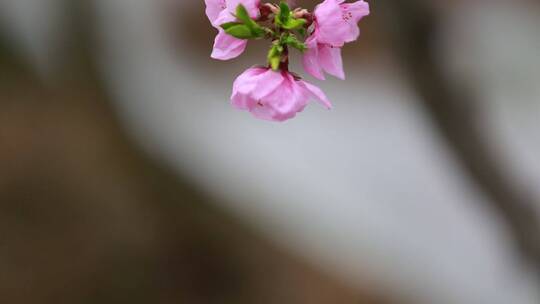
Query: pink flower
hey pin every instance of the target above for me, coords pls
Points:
(336, 23)
(321, 57)
(222, 11)
(274, 95)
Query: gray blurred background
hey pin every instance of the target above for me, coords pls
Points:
(126, 176)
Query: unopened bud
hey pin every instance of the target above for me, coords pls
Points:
(300, 12)
(274, 9)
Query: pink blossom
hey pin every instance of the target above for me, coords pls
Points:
(336, 23)
(274, 95)
(222, 11)
(321, 57)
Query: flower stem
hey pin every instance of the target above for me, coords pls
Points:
(284, 65)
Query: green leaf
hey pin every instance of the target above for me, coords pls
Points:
(293, 24)
(257, 31)
(228, 25)
(242, 14)
(240, 31)
(292, 41)
(286, 20)
(284, 12)
(245, 28)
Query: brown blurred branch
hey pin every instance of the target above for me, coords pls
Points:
(413, 26)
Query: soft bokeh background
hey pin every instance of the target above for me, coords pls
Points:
(126, 177)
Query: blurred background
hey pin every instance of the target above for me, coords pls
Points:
(126, 176)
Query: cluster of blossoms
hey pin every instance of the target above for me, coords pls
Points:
(272, 92)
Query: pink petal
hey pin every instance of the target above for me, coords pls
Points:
(355, 12)
(244, 84)
(223, 17)
(258, 82)
(284, 103)
(252, 6)
(310, 60)
(317, 94)
(267, 82)
(332, 29)
(331, 61)
(241, 101)
(359, 10)
(227, 47)
(213, 9)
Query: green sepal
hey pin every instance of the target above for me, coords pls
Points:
(284, 13)
(286, 20)
(240, 31)
(275, 63)
(274, 56)
(293, 24)
(292, 41)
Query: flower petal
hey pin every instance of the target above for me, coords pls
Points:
(267, 82)
(332, 29)
(331, 61)
(252, 6)
(284, 103)
(244, 83)
(310, 60)
(317, 93)
(213, 9)
(227, 47)
(354, 12)
(358, 9)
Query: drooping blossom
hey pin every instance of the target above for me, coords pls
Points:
(272, 92)
(274, 95)
(322, 57)
(222, 11)
(335, 23)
